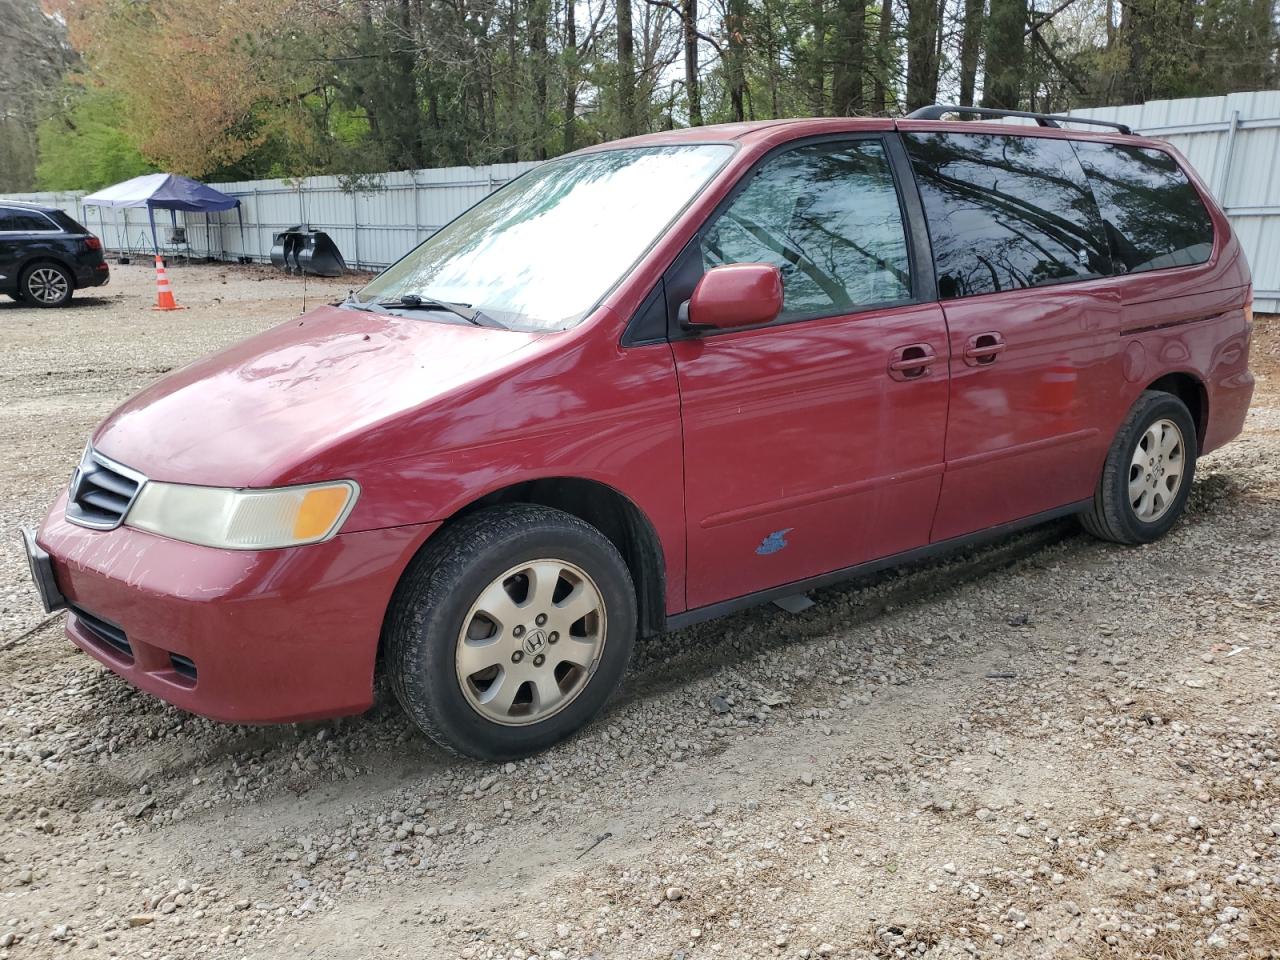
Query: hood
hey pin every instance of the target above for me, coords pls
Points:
(252, 412)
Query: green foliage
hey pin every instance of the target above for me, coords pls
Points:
(83, 146)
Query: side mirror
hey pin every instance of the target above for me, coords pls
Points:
(736, 295)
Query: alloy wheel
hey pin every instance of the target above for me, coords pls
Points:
(47, 285)
(530, 642)
(1156, 470)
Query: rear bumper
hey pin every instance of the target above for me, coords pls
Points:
(246, 637)
(93, 275)
(1228, 406)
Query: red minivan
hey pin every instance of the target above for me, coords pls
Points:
(652, 382)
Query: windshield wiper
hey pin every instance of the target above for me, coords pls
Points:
(413, 301)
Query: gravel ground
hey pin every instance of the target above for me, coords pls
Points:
(1049, 748)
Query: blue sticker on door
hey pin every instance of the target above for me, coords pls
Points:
(773, 542)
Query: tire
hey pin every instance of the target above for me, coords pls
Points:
(1138, 498)
(492, 694)
(47, 284)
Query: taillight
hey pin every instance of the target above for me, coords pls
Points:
(92, 243)
(1248, 310)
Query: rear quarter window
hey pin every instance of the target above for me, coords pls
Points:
(67, 222)
(1153, 216)
(1006, 212)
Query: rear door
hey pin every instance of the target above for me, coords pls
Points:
(1024, 277)
(808, 444)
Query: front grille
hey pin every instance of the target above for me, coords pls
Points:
(106, 633)
(101, 492)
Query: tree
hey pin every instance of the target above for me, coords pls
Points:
(850, 46)
(886, 57)
(82, 148)
(571, 74)
(923, 27)
(265, 88)
(970, 47)
(689, 31)
(1006, 50)
(626, 70)
(735, 28)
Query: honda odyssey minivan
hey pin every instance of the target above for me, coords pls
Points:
(648, 383)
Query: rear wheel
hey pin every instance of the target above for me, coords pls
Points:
(46, 285)
(510, 631)
(1148, 472)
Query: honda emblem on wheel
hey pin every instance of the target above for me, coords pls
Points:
(534, 642)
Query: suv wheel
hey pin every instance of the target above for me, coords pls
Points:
(510, 631)
(1148, 472)
(47, 285)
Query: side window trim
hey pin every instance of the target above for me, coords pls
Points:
(688, 262)
(924, 278)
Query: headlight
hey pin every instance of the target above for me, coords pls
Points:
(243, 519)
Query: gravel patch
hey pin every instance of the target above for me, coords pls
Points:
(1051, 747)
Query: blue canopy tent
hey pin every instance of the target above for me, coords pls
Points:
(166, 191)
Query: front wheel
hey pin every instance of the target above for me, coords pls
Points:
(1147, 476)
(510, 631)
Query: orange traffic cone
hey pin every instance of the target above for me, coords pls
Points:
(164, 293)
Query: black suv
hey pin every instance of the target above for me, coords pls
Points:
(45, 255)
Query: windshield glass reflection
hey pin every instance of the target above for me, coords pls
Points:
(541, 252)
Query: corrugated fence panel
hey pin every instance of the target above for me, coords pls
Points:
(374, 220)
(1233, 142)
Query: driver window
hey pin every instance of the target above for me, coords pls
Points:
(827, 216)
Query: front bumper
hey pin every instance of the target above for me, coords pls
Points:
(266, 636)
(40, 565)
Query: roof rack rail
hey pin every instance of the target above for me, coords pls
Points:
(938, 110)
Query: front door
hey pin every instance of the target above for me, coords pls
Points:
(815, 442)
(1034, 319)
(10, 249)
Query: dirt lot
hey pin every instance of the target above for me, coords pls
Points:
(1050, 748)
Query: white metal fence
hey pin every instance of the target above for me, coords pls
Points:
(1233, 141)
(374, 220)
(1234, 144)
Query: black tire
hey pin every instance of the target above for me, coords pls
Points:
(1112, 515)
(436, 594)
(47, 284)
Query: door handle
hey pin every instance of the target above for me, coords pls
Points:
(912, 361)
(983, 348)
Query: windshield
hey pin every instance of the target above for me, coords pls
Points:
(541, 252)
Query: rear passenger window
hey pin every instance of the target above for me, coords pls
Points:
(1154, 217)
(1006, 212)
(24, 221)
(827, 216)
